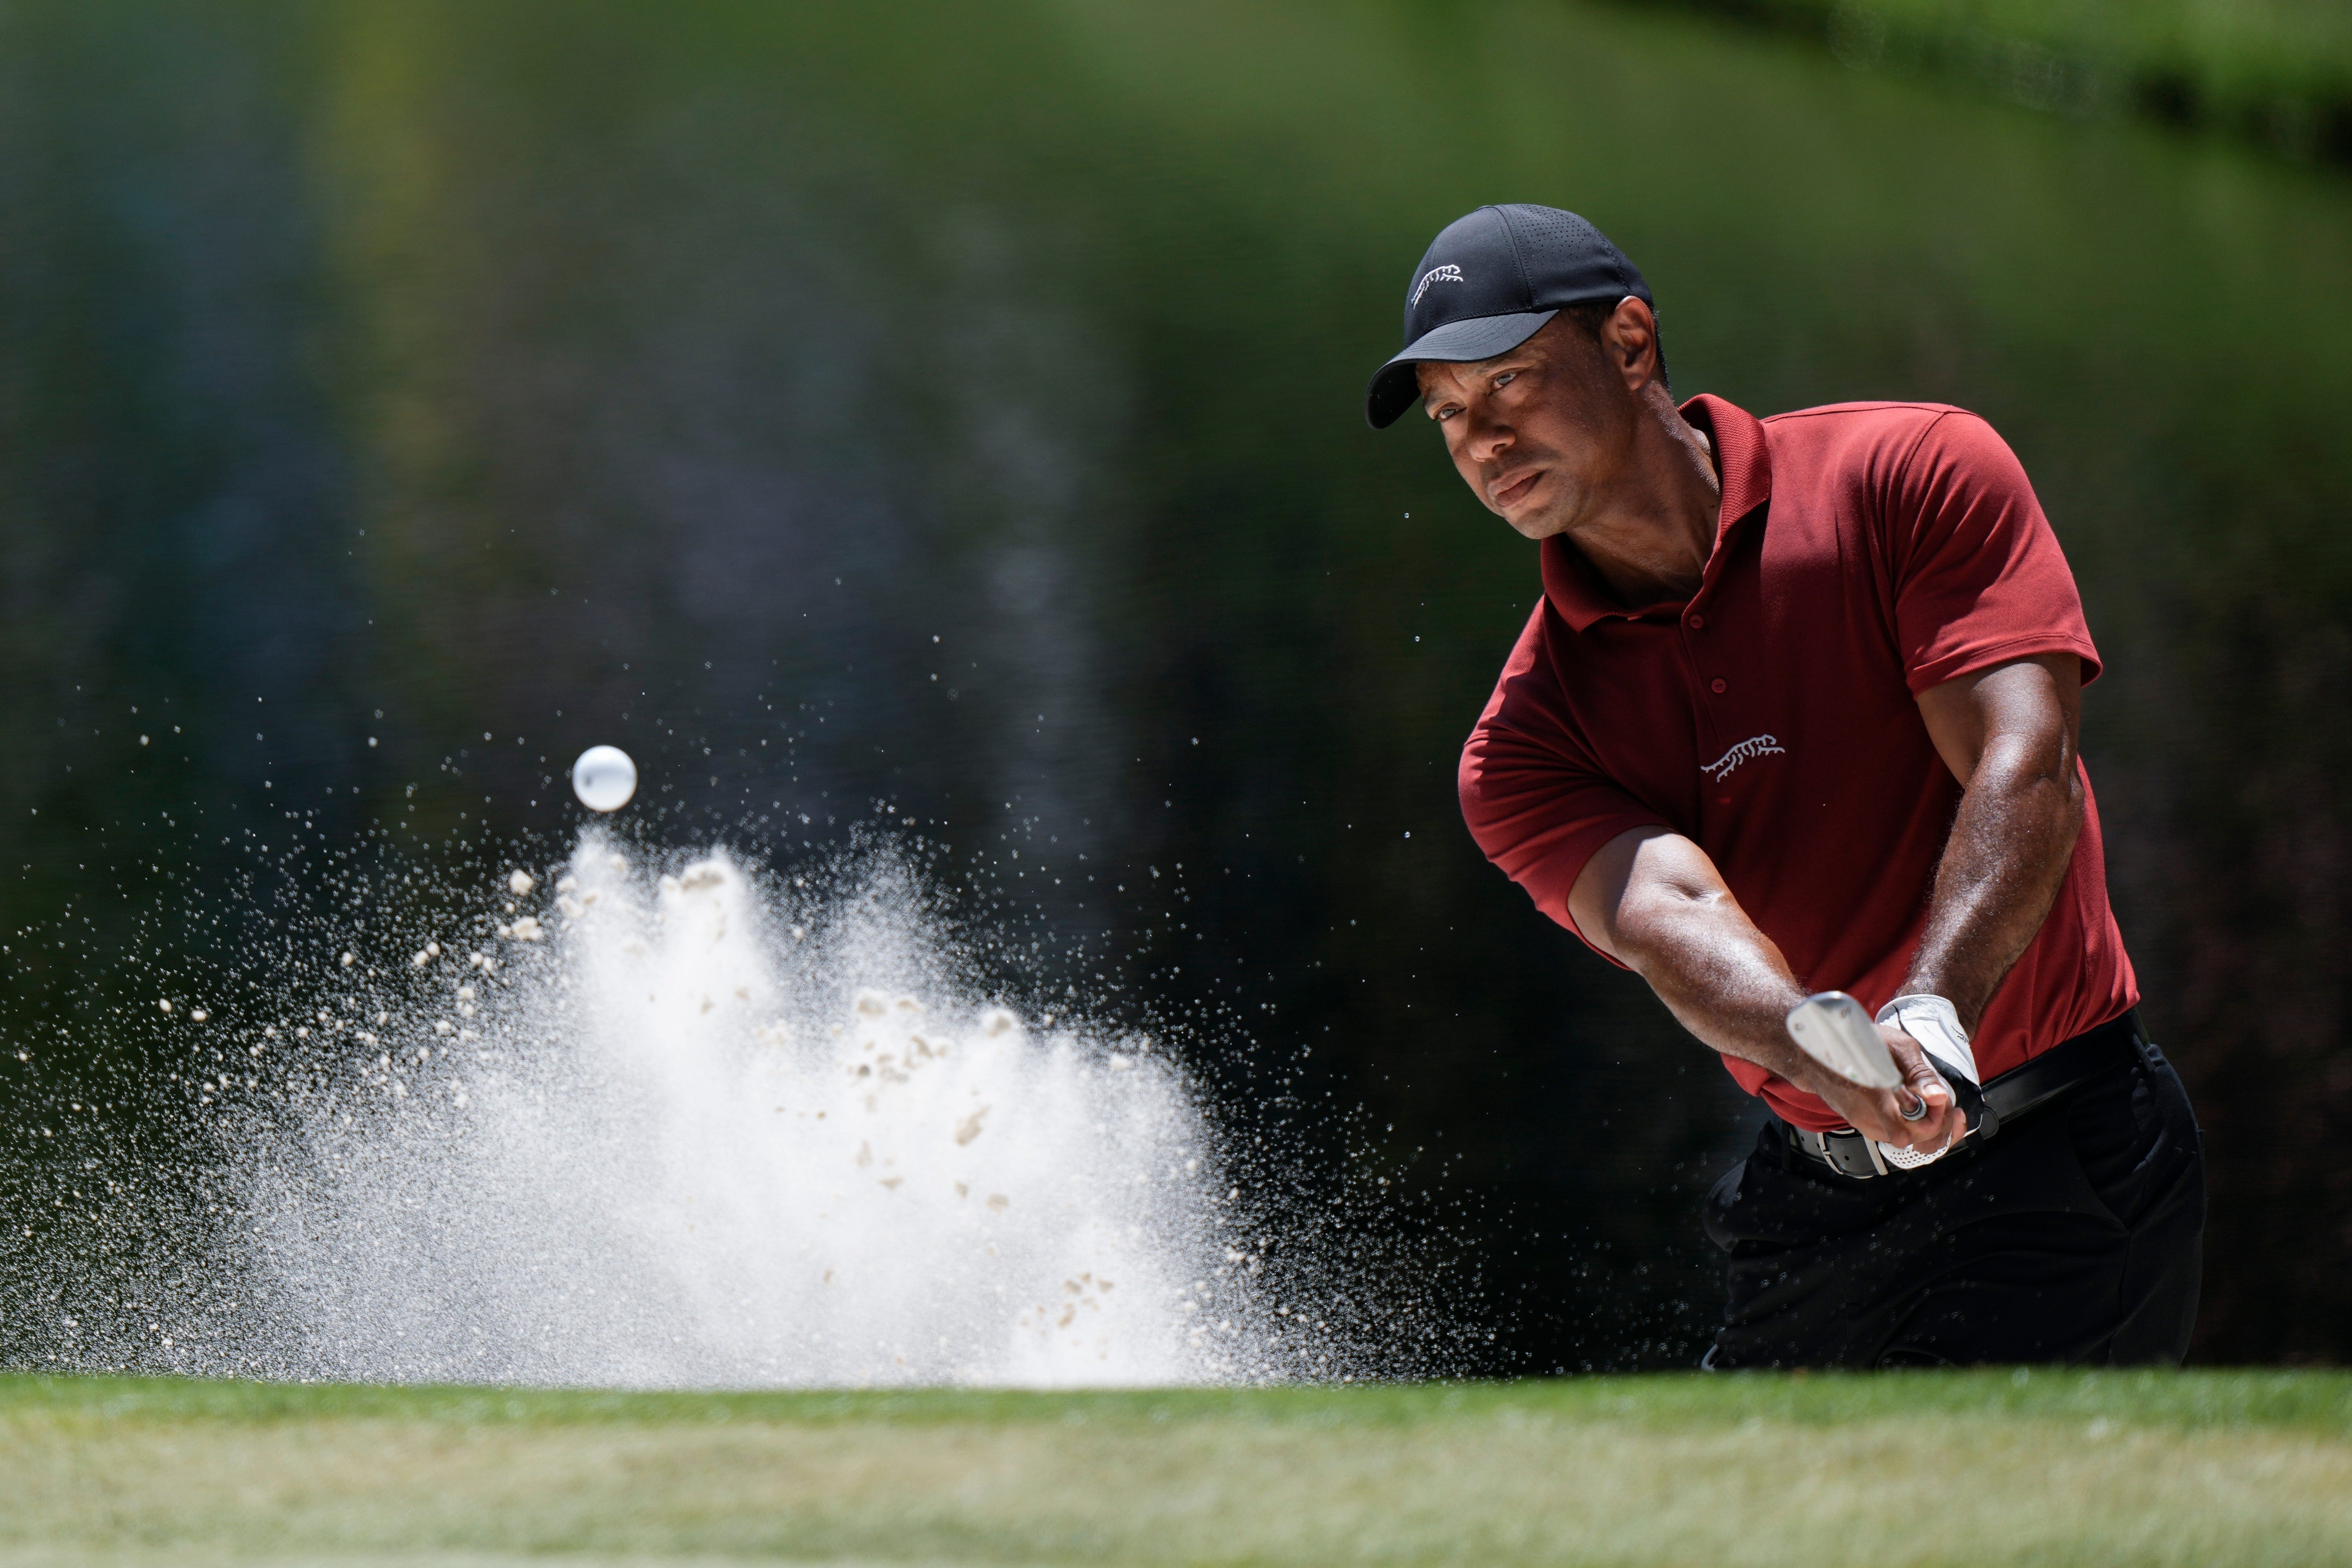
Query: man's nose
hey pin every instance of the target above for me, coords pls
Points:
(1485, 437)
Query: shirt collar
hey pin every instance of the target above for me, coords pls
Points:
(1576, 591)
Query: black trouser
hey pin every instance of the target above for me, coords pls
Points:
(2075, 1235)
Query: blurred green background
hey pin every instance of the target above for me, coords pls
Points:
(2276, 73)
(964, 402)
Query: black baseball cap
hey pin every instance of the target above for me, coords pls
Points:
(1488, 282)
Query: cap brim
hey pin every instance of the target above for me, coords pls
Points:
(1394, 386)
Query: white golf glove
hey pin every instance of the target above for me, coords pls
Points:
(1934, 1023)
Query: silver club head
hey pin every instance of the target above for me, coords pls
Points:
(1835, 1030)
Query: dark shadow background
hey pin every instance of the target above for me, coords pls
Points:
(957, 407)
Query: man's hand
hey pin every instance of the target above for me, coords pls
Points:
(1654, 900)
(1878, 1112)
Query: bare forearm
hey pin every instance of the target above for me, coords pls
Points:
(1723, 979)
(2011, 843)
(1654, 900)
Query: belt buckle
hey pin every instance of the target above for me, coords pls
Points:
(1818, 1145)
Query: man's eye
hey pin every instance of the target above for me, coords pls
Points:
(1505, 379)
(1441, 414)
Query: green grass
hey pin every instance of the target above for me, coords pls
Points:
(2004, 1467)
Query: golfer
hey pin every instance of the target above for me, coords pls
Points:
(1798, 711)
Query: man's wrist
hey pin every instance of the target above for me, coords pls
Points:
(1781, 1055)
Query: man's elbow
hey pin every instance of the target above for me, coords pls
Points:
(2040, 766)
(2037, 788)
(1653, 919)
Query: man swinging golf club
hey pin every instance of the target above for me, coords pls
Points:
(1797, 713)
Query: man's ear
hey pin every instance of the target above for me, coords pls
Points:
(1630, 337)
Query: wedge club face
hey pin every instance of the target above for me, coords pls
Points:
(1836, 1031)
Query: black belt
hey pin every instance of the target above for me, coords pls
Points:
(2062, 1067)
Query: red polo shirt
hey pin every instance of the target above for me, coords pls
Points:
(1865, 552)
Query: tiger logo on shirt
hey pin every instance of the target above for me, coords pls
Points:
(1754, 746)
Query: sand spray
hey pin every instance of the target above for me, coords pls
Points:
(656, 1121)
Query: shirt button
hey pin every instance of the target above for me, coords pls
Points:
(1697, 622)
(1719, 686)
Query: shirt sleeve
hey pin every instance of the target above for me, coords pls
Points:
(1533, 801)
(1978, 577)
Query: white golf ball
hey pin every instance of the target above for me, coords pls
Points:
(603, 778)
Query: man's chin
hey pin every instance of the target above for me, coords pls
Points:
(1537, 523)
